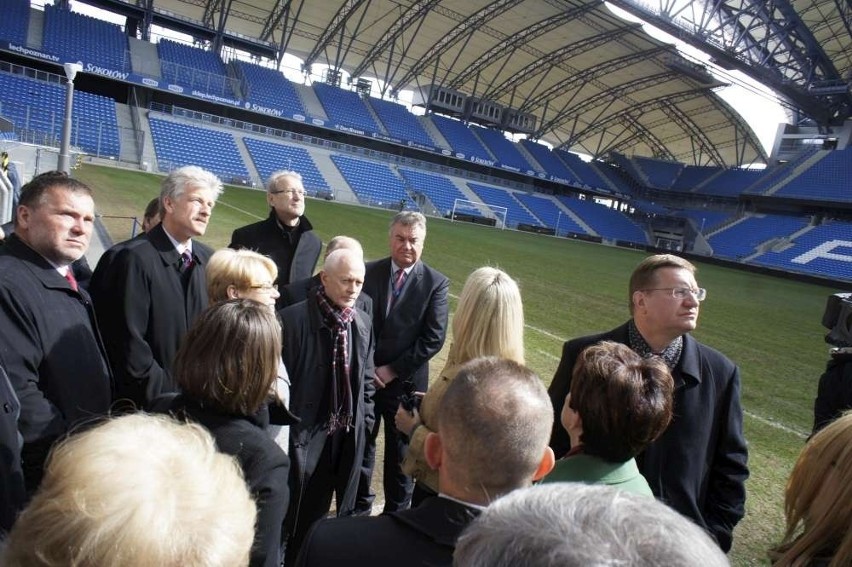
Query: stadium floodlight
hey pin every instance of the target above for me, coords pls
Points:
(71, 70)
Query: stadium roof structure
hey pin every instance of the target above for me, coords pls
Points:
(595, 82)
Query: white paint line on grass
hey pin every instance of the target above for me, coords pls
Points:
(775, 424)
(245, 212)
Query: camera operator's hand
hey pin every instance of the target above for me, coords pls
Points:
(384, 376)
(406, 421)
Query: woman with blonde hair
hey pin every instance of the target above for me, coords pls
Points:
(226, 367)
(489, 321)
(818, 502)
(135, 491)
(245, 274)
(241, 274)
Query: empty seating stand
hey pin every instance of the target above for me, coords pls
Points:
(742, 239)
(550, 214)
(269, 157)
(178, 144)
(345, 108)
(819, 251)
(829, 179)
(705, 221)
(270, 89)
(437, 188)
(551, 164)
(503, 149)
(515, 214)
(607, 222)
(399, 122)
(661, 174)
(730, 183)
(16, 20)
(460, 138)
(374, 183)
(587, 174)
(37, 109)
(194, 67)
(75, 37)
(692, 176)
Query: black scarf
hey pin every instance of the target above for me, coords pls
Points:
(338, 319)
(670, 355)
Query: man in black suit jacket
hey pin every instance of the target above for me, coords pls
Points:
(410, 312)
(698, 466)
(157, 287)
(328, 352)
(50, 342)
(287, 235)
(493, 426)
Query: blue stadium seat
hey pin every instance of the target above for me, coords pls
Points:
(829, 179)
(269, 157)
(550, 214)
(742, 239)
(551, 164)
(607, 222)
(460, 138)
(399, 122)
(834, 235)
(438, 188)
(374, 183)
(37, 109)
(503, 149)
(661, 174)
(270, 88)
(345, 108)
(194, 67)
(75, 37)
(516, 214)
(178, 144)
(16, 20)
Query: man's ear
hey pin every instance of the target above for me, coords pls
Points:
(433, 450)
(638, 299)
(168, 205)
(23, 216)
(548, 461)
(323, 277)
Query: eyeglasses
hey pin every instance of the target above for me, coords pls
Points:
(681, 293)
(291, 192)
(265, 287)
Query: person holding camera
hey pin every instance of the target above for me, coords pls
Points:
(410, 314)
(834, 394)
(489, 321)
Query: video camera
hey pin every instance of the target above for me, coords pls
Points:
(838, 320)
(410, 400)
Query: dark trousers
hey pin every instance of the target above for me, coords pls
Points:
(397, 486)
(326, 481)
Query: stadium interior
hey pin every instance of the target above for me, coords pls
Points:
(671, 163)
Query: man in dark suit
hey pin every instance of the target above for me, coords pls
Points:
(297, 291)
(50, 342)
(698, 466)
(410, 312)
(157, 287)
(328, 352)
(287, 235)
(493, 427)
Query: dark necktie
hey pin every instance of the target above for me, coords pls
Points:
(185, 261)
(72, 281)
(398, 282)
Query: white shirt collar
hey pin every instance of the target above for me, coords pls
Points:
(178, 246)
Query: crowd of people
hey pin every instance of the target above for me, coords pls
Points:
(190, 407)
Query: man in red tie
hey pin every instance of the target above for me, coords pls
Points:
(50, 342)
(410, 313)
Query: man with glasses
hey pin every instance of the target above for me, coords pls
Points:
(287, 235)
(698, 466)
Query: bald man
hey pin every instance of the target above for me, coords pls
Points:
(328, 352)
(297, 291)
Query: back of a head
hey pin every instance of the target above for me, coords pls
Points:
(575, 525)
(138, 490)
(818, 500)
(494, 422)
(624, 400)
(489, 320)
(229, 358)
